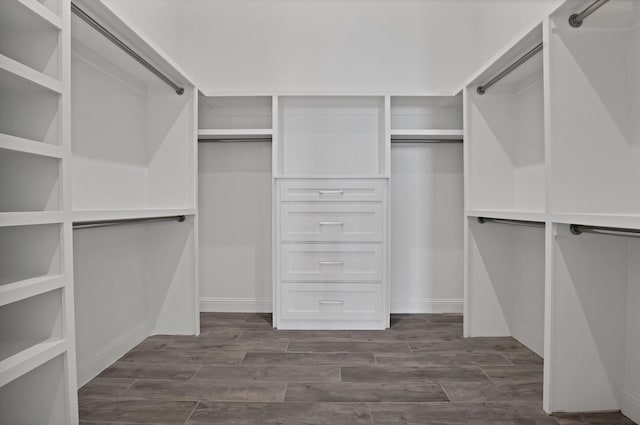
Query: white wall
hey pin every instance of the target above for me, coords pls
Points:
(427, 245)
(235, 226)
(338, 45)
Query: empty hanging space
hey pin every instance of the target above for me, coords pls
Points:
(237, 118)
(37, 397)
(594, 109)
(595, 345)
(415, 118)
(133, 141)
(28, 183)
(506, 280)
(325, 136)
(143, 271)
(505, 131)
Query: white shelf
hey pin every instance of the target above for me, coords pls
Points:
(213, 134)
(30, 74)
(427, 134)
(8, 219)
(626, 221)
(20, 144)
(329, 176)
(509, 215)
(99, 215)
(17, 291)
(26, 360)
(29, 13)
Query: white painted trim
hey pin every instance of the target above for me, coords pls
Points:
(235, 305)
(631, 405)
(103, 358)
(427, 305)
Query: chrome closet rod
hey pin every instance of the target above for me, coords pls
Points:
(531, 53)
(483, 220)
(425, 141)
(107, 223)
(260, 139)
(577, 19)
(578, 229)
(122, 45)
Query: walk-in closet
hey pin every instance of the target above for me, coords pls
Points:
(319, 212)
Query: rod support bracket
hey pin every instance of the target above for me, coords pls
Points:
(481, 220)
(575, 21)
(575, 229)
(481, 90)
(180, 91)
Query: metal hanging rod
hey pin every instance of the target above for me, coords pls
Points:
(115, 40)
(578, 229)
(107, 223)
(425, 141)
(577, 19)
(531, 53)
(260, 139)
(483, 220)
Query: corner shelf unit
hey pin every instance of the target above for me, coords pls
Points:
(555, 142)
(37, 333)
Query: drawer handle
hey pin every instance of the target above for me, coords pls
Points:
(331, 192)
(331, 302)
(331, 263)
(331, 223)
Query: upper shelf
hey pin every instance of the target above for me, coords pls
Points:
(235, 134)
(441, 134)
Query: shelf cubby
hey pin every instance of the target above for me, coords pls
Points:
(595, 132)
(596, 291)
(505, 293)
(133, 143)
(28, 111)
(28, 37)
(38, 397)
(29, 252)
(235, 117)
(331, 136)
(26, 323)
(426, 117)
(28, 183)
(506, 134)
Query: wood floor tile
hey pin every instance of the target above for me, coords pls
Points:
(213, 344)
(413, 374)
(494, 344)
(209, 390)
(612, 418)
(306, 359)
(365, 392)
(105, 387)
(310, 373)
(403, 335)
(184, 357)
(478, 392)
(252, 335)
(421, 359)
(209, 413)
(135, 411)
(524, 357)
(514, 373)
(135, 370)
(347, 347)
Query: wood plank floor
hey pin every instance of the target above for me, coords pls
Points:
(240, 371)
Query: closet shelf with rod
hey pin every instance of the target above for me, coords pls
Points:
(111, 215)
(122, 222)
(483, 220)
(427, 135)
(238, 135)
(578, 229)
(482, 89)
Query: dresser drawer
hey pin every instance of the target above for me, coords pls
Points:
(331, 190)
(331, 302)
(331, 222)
(331, 263)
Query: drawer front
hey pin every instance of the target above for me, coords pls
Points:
(331, 302)
(331, 190)
(331, 222)
(331, 263)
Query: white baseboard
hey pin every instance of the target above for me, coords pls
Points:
(631, 405)
(235, 305)
(529, 339)
(99, 361)
(427, 305)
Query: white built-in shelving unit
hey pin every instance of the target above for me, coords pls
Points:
(134, 164)
(37, 336)
(556, 143)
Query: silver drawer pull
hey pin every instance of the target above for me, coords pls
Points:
(331, 302)
(331, 192)
(331, 223)
(331, 263)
